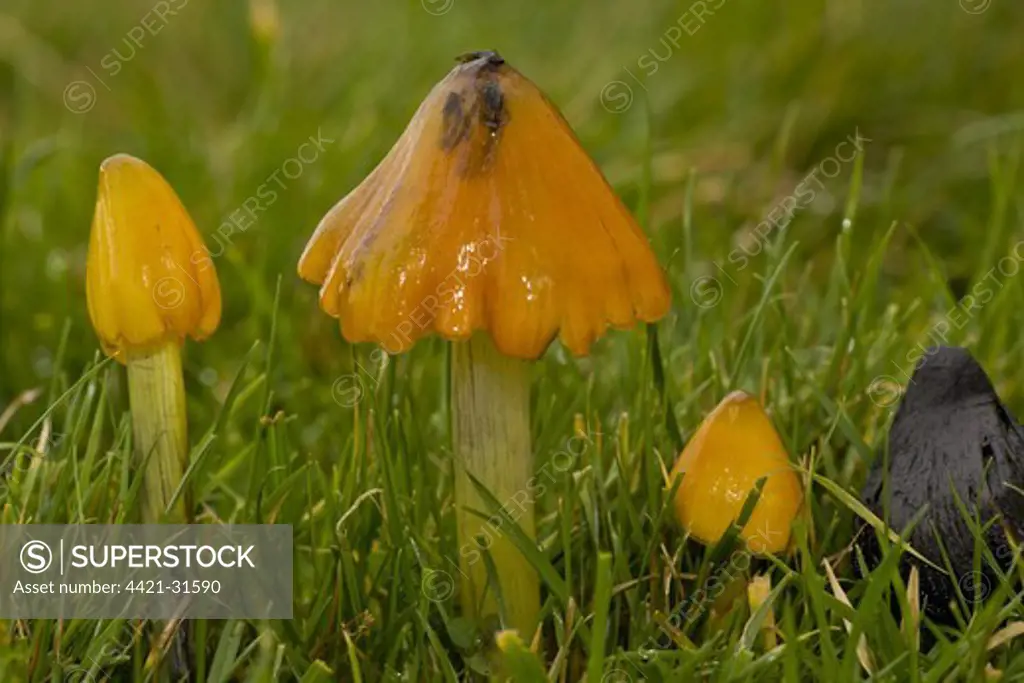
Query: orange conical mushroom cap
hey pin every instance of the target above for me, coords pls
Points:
(486, 215)
(149, 277)
(735, 446)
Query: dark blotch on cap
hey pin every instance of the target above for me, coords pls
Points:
(456, 123)
(479, 102)
(492, 113)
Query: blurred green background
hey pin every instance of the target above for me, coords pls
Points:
(217, 96)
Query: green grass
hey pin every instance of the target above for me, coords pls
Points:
(823, 321)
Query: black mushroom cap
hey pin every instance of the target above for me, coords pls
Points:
(951, 438)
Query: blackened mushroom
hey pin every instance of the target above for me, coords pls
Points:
(954, 448)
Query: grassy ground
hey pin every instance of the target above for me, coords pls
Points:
(707, 132)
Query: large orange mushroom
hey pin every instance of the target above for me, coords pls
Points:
(488, 224)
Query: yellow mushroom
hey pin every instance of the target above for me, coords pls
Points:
(149, 284)
(734, 447)
(486, 218)
(149, 279)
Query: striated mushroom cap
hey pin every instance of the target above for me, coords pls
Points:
(486, 215)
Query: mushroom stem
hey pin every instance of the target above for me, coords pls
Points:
(156, 391)
(490, 395)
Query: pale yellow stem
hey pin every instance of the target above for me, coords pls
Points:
(156, 390)
(491, 440)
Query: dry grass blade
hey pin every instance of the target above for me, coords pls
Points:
(22, 399)
(863, 653)
(911, 623)
(1005, 635)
